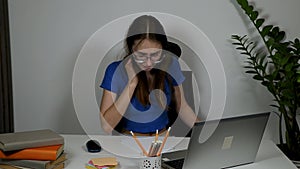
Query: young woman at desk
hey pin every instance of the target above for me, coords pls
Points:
(130, 99)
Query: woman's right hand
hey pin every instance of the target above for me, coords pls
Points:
(131, 73)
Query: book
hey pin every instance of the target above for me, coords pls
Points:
(6, 166)
(59, 166)
(37, 153)
(28, 139)
(36, 164)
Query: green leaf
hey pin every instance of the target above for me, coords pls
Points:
(249, 62)
(245, 53)
(280, 36)
(262, 59)
(273, 105)
(269, 77)
(241, 48)
(251, 72)
(260, 67)
(274, 32)
(270, 42)
(283, 59)
(266, 29)
(258, 77)
(237, 44)
(259, 22)
(265, 65)
(253, 47)
(243, 3)
(288, 67)
(248, 9)
(242, 37)
(254, 15)
(248, 45)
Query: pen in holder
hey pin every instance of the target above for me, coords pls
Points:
(152, 158)
(154, 148)
(150, 162)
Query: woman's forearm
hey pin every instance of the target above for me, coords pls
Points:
(112, 115)
(188, 116)
(186, 113)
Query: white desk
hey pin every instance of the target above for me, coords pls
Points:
(269, 156)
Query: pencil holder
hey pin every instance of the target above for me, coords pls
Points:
(150, 162)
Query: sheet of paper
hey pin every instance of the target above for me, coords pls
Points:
(146, 142)
(126, 146)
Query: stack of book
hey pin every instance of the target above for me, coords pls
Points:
(39, 149)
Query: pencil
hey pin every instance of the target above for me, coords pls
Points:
(164, 142)
(156, 135)
(151, 153)
(151, 147)
(155, 151)
(139, 144)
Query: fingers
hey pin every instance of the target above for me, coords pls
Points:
(129, 62)
(130, 70)
(129, 66)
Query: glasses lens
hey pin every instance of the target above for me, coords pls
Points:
(155, 57)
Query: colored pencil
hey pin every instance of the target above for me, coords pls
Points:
(164, 142)
(139, 144)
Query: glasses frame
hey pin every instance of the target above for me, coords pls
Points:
(163, 55)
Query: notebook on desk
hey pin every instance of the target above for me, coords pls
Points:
(234, 142)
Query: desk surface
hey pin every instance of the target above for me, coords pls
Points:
(269, 156)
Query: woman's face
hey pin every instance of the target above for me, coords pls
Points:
(147, 53)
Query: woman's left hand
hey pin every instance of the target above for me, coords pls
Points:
(131, 73)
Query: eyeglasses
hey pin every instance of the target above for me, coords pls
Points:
(155, 57)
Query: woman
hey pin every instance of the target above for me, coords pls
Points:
(139, 89)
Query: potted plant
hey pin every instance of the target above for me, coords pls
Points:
(275, 63)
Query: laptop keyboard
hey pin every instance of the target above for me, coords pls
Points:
(176, 164)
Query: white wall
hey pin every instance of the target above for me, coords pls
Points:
(47, 36)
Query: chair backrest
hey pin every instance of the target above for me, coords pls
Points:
(174, 48)
(179, 128)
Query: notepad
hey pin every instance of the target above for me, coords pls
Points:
(104, 161)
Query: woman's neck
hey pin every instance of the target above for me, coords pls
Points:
(149, 79)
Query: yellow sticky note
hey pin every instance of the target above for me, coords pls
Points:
(105, 161)
(90, 167)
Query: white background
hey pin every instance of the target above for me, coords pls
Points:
(47, 36)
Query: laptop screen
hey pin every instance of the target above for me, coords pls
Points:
(235, 141)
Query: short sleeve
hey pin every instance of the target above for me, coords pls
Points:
(176, 73)
(110, 73)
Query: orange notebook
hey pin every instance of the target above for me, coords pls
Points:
(37, 153)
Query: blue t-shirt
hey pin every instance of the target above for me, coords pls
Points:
(140, 118)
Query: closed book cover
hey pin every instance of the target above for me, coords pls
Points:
(38, 153)
(59, 166)
(7, 166)
(28, 139)
(36, 164)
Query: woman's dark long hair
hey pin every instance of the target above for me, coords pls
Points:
(148, 27)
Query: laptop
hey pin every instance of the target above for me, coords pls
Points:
(234, 142)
